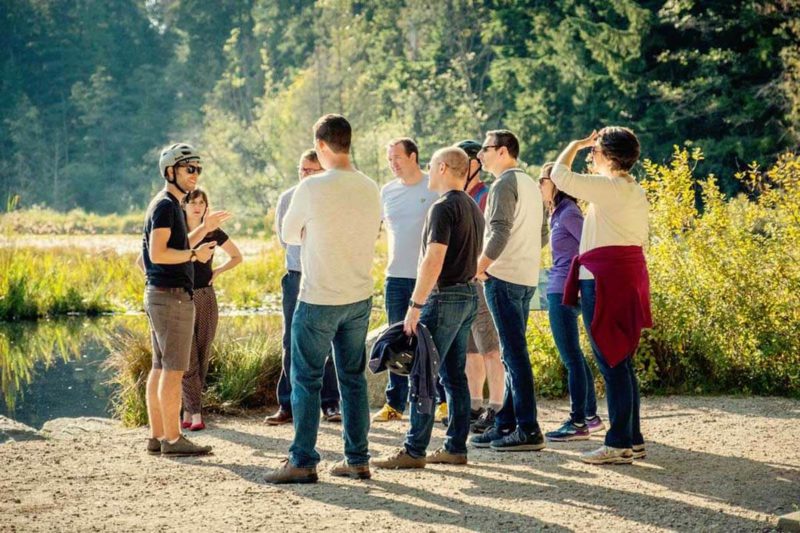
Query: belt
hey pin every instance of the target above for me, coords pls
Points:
(173, 290)
(440, 286)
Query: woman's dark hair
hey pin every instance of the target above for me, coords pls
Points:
(560, 195)
(196, 193)
(620, 146)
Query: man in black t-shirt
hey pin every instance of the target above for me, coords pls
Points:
(167, 260)
(452, 240)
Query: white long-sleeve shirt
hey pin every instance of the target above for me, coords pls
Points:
(335, 217)
(617, 213)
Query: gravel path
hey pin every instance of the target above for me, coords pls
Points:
(713, 464)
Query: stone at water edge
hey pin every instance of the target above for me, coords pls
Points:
(11, 430)
(76, 426)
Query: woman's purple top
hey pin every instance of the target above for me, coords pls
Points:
(566, 224)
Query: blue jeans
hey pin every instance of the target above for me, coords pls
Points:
(314, 328)
(290, 289)
(397, 293)
(448, 314)
(564, 325)
(509, 304)
(622, 388)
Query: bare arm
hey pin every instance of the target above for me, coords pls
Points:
(161, 254)
(140, 262)
(235, 257)
(427, 275)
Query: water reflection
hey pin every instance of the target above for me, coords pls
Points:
(54, 368)
(50, 369)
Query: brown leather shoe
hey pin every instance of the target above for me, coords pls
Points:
(279, 418)
(400, 459)
(344, 469)
(442, 456)
(292, 474)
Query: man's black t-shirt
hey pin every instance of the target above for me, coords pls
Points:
(165, 212)
(203, 271)
(455, 220)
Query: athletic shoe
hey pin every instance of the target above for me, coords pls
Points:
(183, 447)
(400, 460)
(345, 469)
(638, 451)
(442, 456)
(153, 446)
(387, 414)
(595, 424)
(292, 474)
(441, 413)
(484, 422)
(484, 440)
(281, 417)
(568, 431)
(519, 441)
(606, 455)
(332, 414)
(475, 414)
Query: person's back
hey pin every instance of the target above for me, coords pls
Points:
(343, 221)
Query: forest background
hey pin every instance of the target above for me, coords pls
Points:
(91, 89)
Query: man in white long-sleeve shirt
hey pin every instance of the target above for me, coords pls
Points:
(335, 218)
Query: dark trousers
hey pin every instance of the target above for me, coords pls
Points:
(622, 388)
(290, 289)
(510, 305)
(564, 325)
(448, 314)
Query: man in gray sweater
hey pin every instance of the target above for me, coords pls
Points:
(509, 265)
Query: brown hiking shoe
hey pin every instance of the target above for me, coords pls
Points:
(292, 474)
(344, 469)
(442, 456)
(279, 418)
(401, 459)
(183, 447)
(153, 446)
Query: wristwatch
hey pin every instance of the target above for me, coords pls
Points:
(415, 305)
(193, 257)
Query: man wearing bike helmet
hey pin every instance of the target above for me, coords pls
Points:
(167, 258)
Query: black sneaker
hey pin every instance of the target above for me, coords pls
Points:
(519, 441)
(484, 440)
(475, 414)
(332, 414)
(484, 422)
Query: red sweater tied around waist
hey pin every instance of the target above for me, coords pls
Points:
(622, 305)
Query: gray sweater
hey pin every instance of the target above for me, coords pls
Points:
(516, 228)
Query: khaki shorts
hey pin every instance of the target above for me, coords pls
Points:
(171, 317)
(483, 336)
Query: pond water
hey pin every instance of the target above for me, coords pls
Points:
(54, 368)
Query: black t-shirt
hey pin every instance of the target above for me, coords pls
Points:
(165, 212)
(455, 220)
(203, 271)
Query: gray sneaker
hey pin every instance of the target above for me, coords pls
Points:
(484, 440)
(639, 451)
(183, 447)
(153, 446)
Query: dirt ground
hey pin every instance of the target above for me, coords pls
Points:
(713, 464)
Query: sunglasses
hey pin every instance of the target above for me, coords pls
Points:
(485, 148)
(192, 169)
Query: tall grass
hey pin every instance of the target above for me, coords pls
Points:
(36, 283)
(243, 371)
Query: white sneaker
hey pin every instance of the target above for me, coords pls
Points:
(606, 455)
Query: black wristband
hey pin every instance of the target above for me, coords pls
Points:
(415, 305)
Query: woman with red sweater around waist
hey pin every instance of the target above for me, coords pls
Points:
(611, 274)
